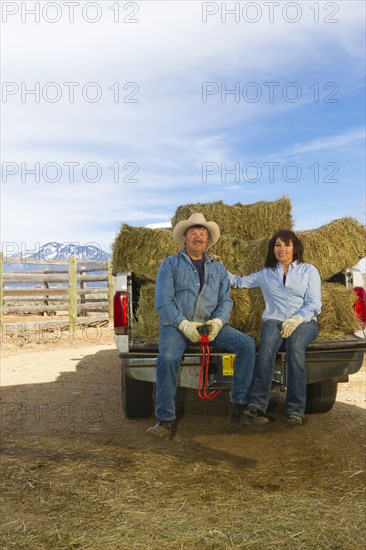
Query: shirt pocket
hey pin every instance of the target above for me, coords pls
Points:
(298, 284)
(182, 279)
(213, 282)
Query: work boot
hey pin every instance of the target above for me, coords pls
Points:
(236, 413)
(161, 430)
(294, 420)
(253, 417)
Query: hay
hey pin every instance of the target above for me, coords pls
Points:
(141, 250)
(336, 321)
(336, 246)
(146, 324)
(247, 311)
(331, 248)
(337, 318)
(69, 493)
(245, 221)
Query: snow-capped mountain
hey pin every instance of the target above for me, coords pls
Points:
(53, 251)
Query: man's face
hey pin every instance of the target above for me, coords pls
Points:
(196, 240)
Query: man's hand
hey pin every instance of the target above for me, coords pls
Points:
(214, 326)
(189, 329)
(291, 324)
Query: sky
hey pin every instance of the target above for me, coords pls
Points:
(119, 112)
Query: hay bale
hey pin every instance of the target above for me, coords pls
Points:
(146, 323)
(336, 246)
(141, 250)
(247, 311)
(245, 221)
(336, 320)
(331, 248)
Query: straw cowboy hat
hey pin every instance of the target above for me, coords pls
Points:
(196, 219)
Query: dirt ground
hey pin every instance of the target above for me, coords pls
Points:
(77, 474)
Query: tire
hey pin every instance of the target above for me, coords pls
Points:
(137, 397)
(320, 397)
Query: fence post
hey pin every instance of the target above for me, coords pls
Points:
(110, 292)
(82, 287)
(1, 294)
(73, 294)
(46, 286)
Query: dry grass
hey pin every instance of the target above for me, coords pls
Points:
(175, 497)
(336, 246)
(141, 250)
(336, 321)
(242, 248)
(331, 248)
(244, 221)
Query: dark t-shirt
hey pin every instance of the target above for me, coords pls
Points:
(200, 266)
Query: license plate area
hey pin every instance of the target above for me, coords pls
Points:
(228, 364)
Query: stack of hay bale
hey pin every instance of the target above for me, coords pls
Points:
(245, 231)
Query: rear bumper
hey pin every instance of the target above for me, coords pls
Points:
(327, 360)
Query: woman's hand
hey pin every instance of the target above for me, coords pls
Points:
(290, 325)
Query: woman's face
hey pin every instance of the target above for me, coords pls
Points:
(284, 252)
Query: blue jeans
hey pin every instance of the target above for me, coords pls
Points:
(172, 345)
(270, 343)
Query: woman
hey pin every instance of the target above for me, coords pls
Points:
(292, 295)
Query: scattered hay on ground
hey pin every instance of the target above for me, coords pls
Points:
(60, 494)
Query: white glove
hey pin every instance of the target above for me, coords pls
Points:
(291, 324)
(214, 326)
(189, 329)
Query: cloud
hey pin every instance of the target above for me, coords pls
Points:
(170, 131)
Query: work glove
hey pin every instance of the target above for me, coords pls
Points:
(189, 329)
(291, 324)
(214, 327)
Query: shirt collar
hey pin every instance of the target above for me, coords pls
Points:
(291, 266)
(182, 252)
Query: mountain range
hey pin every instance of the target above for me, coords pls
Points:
(54, 251)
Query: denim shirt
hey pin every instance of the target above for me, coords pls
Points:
(178, 295)
(300, 295)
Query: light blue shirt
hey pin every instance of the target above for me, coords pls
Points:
(179, 296)
(300, 295)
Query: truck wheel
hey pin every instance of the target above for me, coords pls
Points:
(137, 398)
(320, 397)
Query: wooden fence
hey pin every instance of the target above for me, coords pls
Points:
(72, 294)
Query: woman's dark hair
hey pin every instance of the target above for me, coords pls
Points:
(285, 236)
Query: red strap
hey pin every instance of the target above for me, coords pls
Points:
(205, 363)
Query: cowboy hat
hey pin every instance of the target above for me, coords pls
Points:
(196, 219)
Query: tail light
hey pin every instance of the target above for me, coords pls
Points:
(120, 313)
(360, 304)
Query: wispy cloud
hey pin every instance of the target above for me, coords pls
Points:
(171, 131)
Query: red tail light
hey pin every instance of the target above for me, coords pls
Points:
(120, 313)
(360, 304)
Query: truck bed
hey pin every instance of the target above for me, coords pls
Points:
(351, 343)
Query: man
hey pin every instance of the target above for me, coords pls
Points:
(193, 290)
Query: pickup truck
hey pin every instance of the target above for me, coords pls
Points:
(329, 362)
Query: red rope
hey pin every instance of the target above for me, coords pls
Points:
(205, 363)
